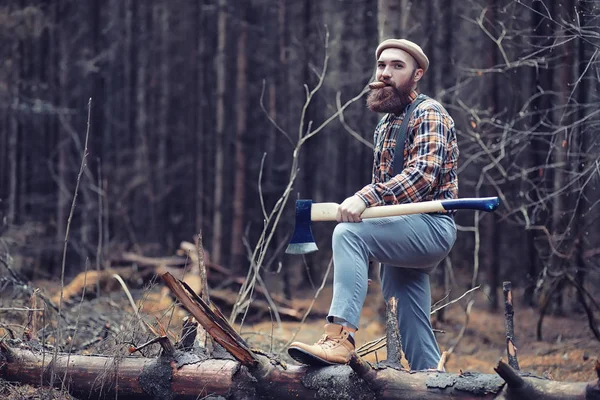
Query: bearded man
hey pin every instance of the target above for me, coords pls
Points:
(408, 247)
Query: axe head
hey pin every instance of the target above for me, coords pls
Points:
(302, 240)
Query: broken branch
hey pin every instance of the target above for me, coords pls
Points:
(212, 321)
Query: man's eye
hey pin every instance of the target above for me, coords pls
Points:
(398, 66)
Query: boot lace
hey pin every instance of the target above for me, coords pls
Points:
(328, 341)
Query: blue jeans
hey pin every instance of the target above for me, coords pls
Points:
(409, 247)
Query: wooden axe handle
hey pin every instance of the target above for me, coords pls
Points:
(328, 211)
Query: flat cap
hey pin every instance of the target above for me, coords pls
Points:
(410, 47)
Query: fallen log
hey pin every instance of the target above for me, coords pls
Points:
(89, 280)
(190, 256)
(152, 261)
(103, 377)
(188, 376)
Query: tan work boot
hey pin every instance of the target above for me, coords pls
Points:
(334, 347)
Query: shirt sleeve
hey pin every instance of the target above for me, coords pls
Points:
(422, 169)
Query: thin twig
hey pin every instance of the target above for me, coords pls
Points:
(272, 328)
(260, 191)
(164, 342)
(347, 127)
(66, 241)
(455, 300)
(130, 298)
(371, 346)
(271, 120)
(21, 280)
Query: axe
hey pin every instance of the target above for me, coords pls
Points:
(302, 240)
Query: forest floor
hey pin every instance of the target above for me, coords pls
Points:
(567, 353)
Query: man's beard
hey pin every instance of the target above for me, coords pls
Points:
(390, 99)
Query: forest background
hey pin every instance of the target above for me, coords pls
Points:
(213, 116)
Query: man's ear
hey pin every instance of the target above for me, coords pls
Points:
(418, 74)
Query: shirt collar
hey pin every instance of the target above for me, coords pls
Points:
(413, 95)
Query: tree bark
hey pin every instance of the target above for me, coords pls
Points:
(582, 162)
(62, 169)
(280, 111)
(199, 121)
(538, 148)
(393, 338)
(188, 376)
(163, 21)
(239, 186)
(145, 194)
(220, 61)
(509, 326)
(561, 232)
(13, 148)
(392, 16)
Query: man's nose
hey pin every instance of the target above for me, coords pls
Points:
(386, 72)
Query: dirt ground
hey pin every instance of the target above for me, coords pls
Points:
(567, 353)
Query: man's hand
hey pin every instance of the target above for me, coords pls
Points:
(350, 209)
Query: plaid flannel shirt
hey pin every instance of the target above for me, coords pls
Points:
(430, 158)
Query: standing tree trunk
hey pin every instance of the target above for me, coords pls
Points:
(199, 121)
(241, 105)
(435, 28)
(280, 112)
(560, 146)
(163, 107)
(144, 216)
(122, 76)
(538, 147)
(62, 167)
(490, 235)
(13, 137)
(220, 60)
(392, 18)
(582, 162)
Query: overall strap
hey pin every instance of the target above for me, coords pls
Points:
(401, 133)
